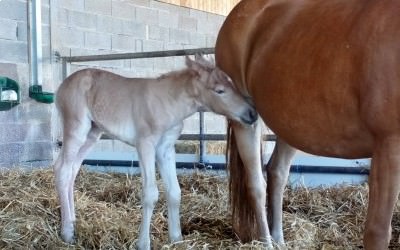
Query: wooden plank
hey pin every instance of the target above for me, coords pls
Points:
(221, 7)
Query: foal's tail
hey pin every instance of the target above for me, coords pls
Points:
(243, 216)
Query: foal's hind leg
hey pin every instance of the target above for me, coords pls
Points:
(277, 175)
(75, 145)
(167, 166)
(384, 187)
(92, 137)
(146, 152)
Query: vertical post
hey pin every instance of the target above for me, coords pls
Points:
(64, 68)
(35, 39)
(201, 138)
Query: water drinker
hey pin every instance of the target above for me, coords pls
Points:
(10, 93)
(36, 93)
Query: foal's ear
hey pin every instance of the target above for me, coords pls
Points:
(194, 65)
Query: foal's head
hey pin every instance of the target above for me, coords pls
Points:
(215, 91)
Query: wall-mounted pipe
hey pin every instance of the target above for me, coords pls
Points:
(221, 166)
(36, 53)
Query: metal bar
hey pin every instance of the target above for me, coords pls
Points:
(201, 137)
(206, 137)
(222, 166)
(137, 55)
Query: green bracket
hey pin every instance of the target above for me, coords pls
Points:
(36, 93)
(10, 93)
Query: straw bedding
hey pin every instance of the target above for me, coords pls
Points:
(108, 214)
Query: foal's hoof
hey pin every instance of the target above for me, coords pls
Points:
(268, 242)
(68, 238)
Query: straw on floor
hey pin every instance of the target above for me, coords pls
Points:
(108, 214)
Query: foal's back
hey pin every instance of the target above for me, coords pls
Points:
(115, 104)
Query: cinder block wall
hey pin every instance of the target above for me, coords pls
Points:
(85, 27)
(116, 26)
(25, 131)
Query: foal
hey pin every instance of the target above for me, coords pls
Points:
(146, 113)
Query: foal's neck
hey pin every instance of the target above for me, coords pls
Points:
(180, 89)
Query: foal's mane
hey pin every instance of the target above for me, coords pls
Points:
(184, 73)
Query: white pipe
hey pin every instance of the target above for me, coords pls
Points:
(35, 42)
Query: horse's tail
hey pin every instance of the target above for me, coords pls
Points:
(243, 216)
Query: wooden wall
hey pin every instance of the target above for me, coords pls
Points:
(221, 7)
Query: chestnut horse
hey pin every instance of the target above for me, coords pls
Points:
(325, 77)
(146, 113)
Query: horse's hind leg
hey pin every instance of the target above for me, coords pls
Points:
(167, 166)
(146, 152)
(277, 175)
(384, 187)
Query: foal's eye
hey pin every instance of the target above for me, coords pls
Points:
(219, 91)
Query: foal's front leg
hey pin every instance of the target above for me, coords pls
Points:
(146, 152)
(248, 142)
(167, 166)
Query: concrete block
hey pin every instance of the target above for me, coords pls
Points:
(171, 8)
(22, 31)
(13, 51)
(73, 4)
(45, 35)
(9, 70)
(211, 40)
(144, 3)
(187, 23)
(135, 29)
(82, 20)
(152, 45)
(158, 33)
(25, 132)
(168, 19)
(8, 29)
(198, 40)
(108, 24)
(179, 36)
(172, 46)
(62, 16)
(45, 14)
(31, 111)
(10, 153)
(123, 9)
(209, 27)
(70, 37)
(96, 40)
(198, 14)
(14, 10)
(36, 151)
(98, 6)
(123, 43)
(146, 15)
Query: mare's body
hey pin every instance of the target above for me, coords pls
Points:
(325, 77)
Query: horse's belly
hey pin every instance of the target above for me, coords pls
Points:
(317, 130)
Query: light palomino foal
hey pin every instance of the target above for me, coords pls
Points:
(146, 113)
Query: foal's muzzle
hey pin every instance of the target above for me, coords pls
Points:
(250, 116)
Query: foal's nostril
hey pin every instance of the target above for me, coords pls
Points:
(253, 115)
